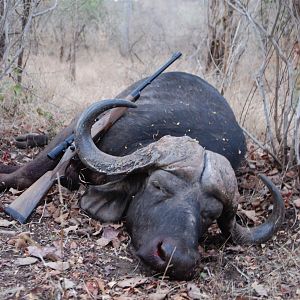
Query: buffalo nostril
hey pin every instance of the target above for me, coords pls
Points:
(165, 251)
(160, 251)
(165, 256)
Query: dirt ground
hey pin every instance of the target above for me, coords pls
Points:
(63, 254)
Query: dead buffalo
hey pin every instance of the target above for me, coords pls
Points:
(167, 166)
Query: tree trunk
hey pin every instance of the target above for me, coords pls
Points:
(26, 11)
(2, 33)
(124, 28)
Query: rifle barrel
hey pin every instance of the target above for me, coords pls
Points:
(133, 96)
(136, 92)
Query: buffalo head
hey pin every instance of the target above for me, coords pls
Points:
(171, 192)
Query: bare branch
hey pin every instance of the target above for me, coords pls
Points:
(297, 133)
(266, 103)
(17, 14)
(46, 11)
(10, 63)
(263, 147)
(283, 122)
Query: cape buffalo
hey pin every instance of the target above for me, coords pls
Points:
(167, 166)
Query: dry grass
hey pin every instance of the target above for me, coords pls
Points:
(103, 75)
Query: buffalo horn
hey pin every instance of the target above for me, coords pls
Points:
(261, 233)
(99, 161)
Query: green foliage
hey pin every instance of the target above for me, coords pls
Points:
(46, 114)
(92, 6)
(12, 95)
(53, 124)
(87, 9)
(17, 90)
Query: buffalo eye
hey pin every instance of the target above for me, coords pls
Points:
(160, 188)
(156, 184)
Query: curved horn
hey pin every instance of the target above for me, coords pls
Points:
(263, 232)
(102, 162)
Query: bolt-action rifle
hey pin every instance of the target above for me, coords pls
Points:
(22, 207)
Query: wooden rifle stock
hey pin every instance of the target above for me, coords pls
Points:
(22, 207)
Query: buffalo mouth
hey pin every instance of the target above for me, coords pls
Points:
(169, 258)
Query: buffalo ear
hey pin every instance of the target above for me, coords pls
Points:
(108, 202)
(218, 180)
